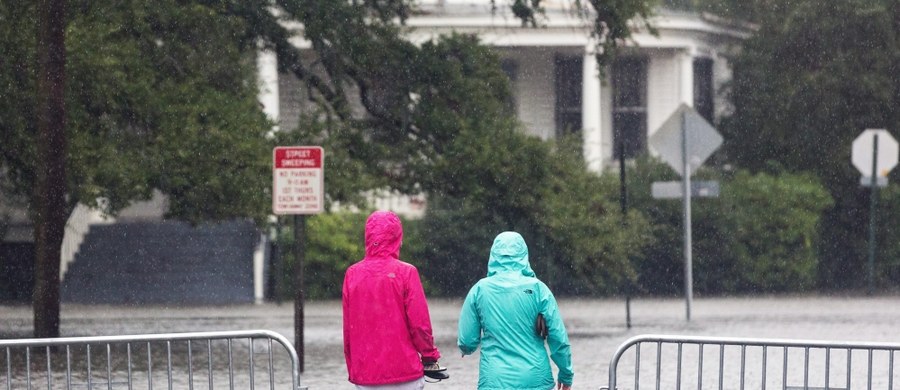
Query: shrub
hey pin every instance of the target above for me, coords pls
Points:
(758, 236)
(334, 242)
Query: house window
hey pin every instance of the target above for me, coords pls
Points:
(568, 94)
(629, 76)
(703, 88)
(290, 101)
(511, 69)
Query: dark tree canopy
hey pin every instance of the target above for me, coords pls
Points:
(163, 96)
(159, 96)
(808, 83)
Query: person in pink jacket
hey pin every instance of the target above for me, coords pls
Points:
(387, 329)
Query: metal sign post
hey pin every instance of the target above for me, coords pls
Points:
(686, 196)
(623, 202)
(298, 183)
(873, 197)
(874, 153)
(684, 141)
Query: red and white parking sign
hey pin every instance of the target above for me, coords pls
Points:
(298, 180)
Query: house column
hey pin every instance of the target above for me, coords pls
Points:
(590, 112)
(267, 72)
(686, 62)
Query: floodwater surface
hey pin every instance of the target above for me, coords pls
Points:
(596, 327)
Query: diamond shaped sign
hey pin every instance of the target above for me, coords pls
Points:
(702, 139)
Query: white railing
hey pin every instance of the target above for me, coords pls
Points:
(77, 227)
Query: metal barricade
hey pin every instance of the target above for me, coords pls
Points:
(199, 360)
(691, 362)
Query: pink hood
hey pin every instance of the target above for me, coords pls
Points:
(384, 235)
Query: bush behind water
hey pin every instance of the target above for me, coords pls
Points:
(758, 236)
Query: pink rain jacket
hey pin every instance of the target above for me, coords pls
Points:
(387, 328)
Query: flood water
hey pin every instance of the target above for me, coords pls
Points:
(596, 327)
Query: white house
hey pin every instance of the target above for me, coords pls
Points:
(555, 79)
(556, 86)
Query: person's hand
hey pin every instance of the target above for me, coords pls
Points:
(563, 386)
(435, 371)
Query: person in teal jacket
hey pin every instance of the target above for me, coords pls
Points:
(500, 314)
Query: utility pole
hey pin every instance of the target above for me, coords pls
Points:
(623, 202)
(299, 257)
(873, 198)
(298, 190)
(50, 184)
(686, 199)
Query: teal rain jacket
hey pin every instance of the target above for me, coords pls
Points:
(499, 314)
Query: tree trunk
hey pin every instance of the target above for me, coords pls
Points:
(50, 188)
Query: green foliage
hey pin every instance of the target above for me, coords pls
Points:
(402, 86)
(334, 241)
(505, 195)
(577, 239)
(458, 89)
(456, 239)
(812, 83)
(17, 89)
(660, 265)
(485, 178)
(436, 124)
(887, 240)
(592, 242)
(159, 96)
(805, 86)
(776, 221)
(489, 177)
(739, 10)
(760, 235)
(465, 152)
(351, 164)
(611, 21)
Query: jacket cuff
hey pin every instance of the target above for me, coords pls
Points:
(428, 360)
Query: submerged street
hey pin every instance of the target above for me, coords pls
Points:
(596, 327)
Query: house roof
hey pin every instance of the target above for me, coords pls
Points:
(561, 25)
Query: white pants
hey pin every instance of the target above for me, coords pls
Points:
(417, 384)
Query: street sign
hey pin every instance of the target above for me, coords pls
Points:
(675, 189)
(298, 180)
(880, 181)
(684, 141)
(874, 154)
(864, 150)
(700, 137)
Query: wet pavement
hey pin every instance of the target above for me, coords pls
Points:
(596, 327)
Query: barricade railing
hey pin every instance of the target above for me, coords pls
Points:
(694, 362)
(248, 359)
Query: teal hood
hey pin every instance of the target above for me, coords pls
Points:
(509, 254)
